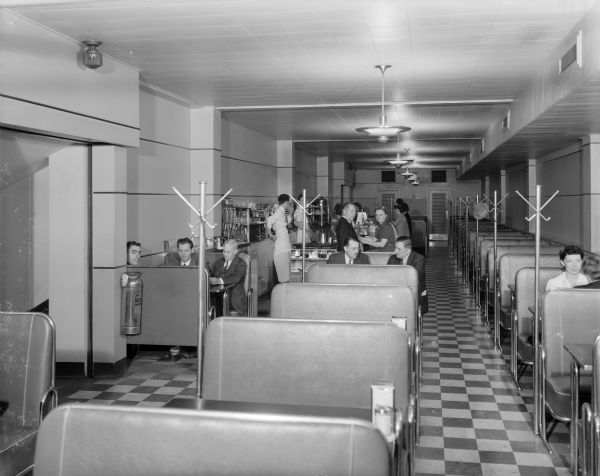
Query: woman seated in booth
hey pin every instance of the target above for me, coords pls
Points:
(591, 270)
(385, 235)
(571, 259)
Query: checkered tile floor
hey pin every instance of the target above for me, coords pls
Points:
(473, 419)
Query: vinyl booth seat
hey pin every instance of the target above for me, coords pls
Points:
(309, 362)
(511, 260)
(522, 351)
(347, 302)
(27, 359)
(590, 422)
(91, 440)
(365, 274)
(378, 257)
(569, 316)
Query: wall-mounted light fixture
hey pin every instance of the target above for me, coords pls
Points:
(92, 58)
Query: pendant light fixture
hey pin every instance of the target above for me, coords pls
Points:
(399, 161)
(383, 131)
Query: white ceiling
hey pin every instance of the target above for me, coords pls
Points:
(303, 70)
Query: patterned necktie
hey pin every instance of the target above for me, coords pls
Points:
(227, 265)
(401, 260)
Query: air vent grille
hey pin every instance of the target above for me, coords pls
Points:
(572, 56)
(568, 59)
(506, 122)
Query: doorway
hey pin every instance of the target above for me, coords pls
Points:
(388, 200)
(438, 212)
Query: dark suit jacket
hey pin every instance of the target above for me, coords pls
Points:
(235, 274)
(592, 285)
(173, 259)
(418, 262)
(344, 229)
(340, 258)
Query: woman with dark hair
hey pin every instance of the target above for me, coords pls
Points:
(591, 269)
(571, 259)
(404, 210)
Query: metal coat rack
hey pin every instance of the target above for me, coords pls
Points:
(537, 384)
(303, 206)
(202, 273)
(476, 276)
(467, 201)
(495, 208)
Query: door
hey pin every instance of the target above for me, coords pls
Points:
(438, 201)
(388, 200)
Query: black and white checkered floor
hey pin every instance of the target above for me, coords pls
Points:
(473, 419)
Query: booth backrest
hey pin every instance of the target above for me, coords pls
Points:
(83, 439)
(304, 362)
(346, 302)
(169, 306)
(488, 244)
(525, 294)
(570, 316)
(510, 263)
(364, 274)
(26, 365)
(379, 257)
(485, 234)
(549, 252)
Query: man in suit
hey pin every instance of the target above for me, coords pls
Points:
(350, 255)
(231, 269)
(184, 256)
(345, 227)
(405, 255)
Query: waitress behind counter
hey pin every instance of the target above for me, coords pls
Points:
(277, 229)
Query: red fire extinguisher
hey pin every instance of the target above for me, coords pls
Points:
(131, 303)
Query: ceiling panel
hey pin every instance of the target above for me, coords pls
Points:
(242, 54)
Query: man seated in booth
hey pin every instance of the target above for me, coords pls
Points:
(184, 256)
(405, 255)
(350, 255)
(231, 269)
(134, 253)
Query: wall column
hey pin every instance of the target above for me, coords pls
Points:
(109, 216)
(205, 163)
(68, 255)
(323, 176)
(285, 167)
(337, 178)
(502, 193)
(591, 192)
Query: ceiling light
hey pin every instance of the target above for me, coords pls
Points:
(92, 58)
(407, 173)
(383, 131)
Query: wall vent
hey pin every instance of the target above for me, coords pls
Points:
(506, 122)
(572, 56)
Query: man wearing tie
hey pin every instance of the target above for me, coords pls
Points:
(184, 256)
(350, 255)
(231, 269)
(405, 255)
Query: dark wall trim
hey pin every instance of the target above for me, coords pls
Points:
(167, 144)
(251, 162)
